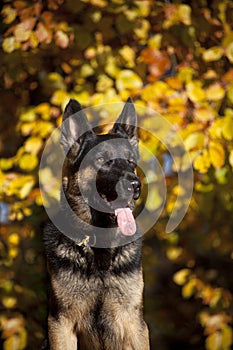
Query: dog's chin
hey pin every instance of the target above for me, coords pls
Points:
(114, 204)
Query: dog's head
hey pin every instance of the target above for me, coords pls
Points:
(102, 168)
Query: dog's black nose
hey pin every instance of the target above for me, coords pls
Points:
(128, 188)
(136, 186)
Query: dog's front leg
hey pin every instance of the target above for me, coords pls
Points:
(136, 335)
(61, 334)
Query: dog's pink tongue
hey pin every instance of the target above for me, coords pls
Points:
(125, 221)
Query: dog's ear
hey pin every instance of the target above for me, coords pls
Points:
(126, 124)
(75, 127)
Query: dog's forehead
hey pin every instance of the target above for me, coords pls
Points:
(113, 144)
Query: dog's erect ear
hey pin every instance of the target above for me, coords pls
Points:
(75, 126)
(126, 124)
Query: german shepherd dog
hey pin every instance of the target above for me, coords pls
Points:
(96, 289)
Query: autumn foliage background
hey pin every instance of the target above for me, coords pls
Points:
(174, 57)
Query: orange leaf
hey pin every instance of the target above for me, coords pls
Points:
(61, 39)
(158, 62)
(43, 34)
(174, 83)
(23, 30)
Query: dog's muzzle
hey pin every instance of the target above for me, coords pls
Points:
(128, 188)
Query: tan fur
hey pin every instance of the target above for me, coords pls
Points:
(122, 304)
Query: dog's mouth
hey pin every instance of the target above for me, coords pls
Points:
(120, 201)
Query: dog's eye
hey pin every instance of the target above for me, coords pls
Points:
(132, 161)
(100, 160)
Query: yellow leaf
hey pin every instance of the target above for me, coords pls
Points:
(6, 163)
(215, 92)
(28, 116)
(180, 277)
(27, 211)
(83, 97)
(176, 14)
(217, 154)
(185, 74)
(227, 128)
(12, 343)
(195, 92)
(184, 12)
(59, 97)
(14, 239)
(127, 79)
(26, 128)
(202, 162)
(143, 7)
(28, 162)
(9, 302)
(86, 70)
(142, 30)
(9, 14)
(10, 44)
(104, 83)
(150, 146)
(213, 54)
(99, 3)
(230, 93)
(26, 189)
(44, 110)
(189, 288)
(155, 91)
(204, 114)
(16, 186)
(128, 55)
(204, 188)
(33, 145)
(215, 130)
(229, 52)
(43, 127)
(154, 199)
(38, 199)
(227, 336)
(214, 341)
(155, 41)
(34, 42)
(231, 158)
(194, 141)
(111, 67)
(173, 253)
